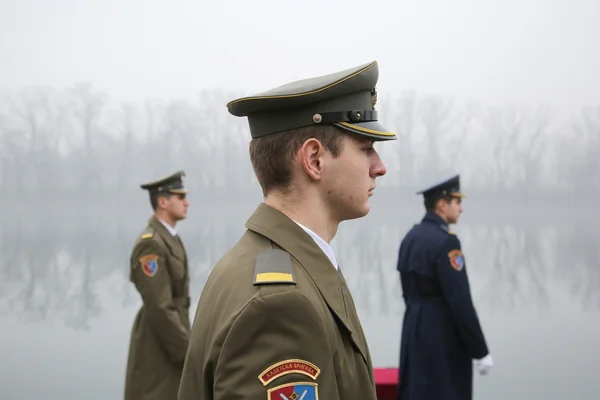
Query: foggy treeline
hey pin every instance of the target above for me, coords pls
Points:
(77, 139)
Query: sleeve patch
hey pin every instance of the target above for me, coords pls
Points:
(149, 264)
(457, 259)
(294, 391)
(288, 367)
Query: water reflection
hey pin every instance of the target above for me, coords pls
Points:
(67, 305)
(513, 266)
(50, 268)
(578, 264)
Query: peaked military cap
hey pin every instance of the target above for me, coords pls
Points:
(346, 99)
(170, 184)
(448, 187)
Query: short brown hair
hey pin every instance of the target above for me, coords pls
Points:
(154, 198)
(271, 156)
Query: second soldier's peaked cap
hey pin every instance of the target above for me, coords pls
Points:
(346, 99)
(447, 187)
(170, 184)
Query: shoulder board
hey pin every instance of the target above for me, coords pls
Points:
(447, 230)
(147, 234)
(273, 266)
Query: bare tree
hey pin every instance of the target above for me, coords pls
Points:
(87, 105)
(436, 113)
(586, 132)
(33, 131)
(404, 117)
(534, 146)
(504, 126)
(13, 156)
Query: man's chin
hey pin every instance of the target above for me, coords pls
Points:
(358, 213)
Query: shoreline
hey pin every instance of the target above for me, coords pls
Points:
(540, 206)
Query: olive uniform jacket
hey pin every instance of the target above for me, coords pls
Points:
(160, 334)
(283, 324)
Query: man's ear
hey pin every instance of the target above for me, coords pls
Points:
(311, 158)
(441, 205)
(161, 202)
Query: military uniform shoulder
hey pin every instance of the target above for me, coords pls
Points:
(445, 230)
(148, 233)
(451, 239)
(148, 237)
(449, 231)
(273, 266)
(430, 229)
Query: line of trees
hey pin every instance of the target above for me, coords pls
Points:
(78, 139)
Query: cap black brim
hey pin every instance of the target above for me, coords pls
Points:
(371, 129)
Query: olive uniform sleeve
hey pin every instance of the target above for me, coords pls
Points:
(151, 276)
(276, 347)
(452, 273)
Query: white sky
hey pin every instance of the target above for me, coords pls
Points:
(492, 51)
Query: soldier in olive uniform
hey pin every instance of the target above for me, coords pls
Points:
(159, 271)
(283, 324)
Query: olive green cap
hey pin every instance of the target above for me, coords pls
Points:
(346, 99)
(170, 184)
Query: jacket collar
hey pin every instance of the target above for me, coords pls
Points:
(434, 218)
(173, 243)
(280, 229)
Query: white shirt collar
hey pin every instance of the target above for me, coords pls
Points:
(169, 228)
(322, 244)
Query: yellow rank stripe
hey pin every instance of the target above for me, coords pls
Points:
(274, 276)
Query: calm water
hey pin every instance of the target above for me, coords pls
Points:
(66, 307)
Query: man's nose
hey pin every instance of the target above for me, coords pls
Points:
(378, 168)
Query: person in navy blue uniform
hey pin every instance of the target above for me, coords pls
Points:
(442, 338)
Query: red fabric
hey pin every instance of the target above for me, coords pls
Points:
(386, 383)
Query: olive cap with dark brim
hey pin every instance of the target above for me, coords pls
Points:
(448, 187)
(170, 184)
(346, 99)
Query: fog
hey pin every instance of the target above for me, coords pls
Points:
(97, 97)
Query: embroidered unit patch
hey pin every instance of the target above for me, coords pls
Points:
(149, 264)
(294, 391)
(289, 367)
(457, 259)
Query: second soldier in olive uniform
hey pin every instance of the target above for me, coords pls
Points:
(441, 334)
(159, 271)
(283, 324)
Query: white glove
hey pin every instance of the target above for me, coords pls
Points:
(484, 365)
